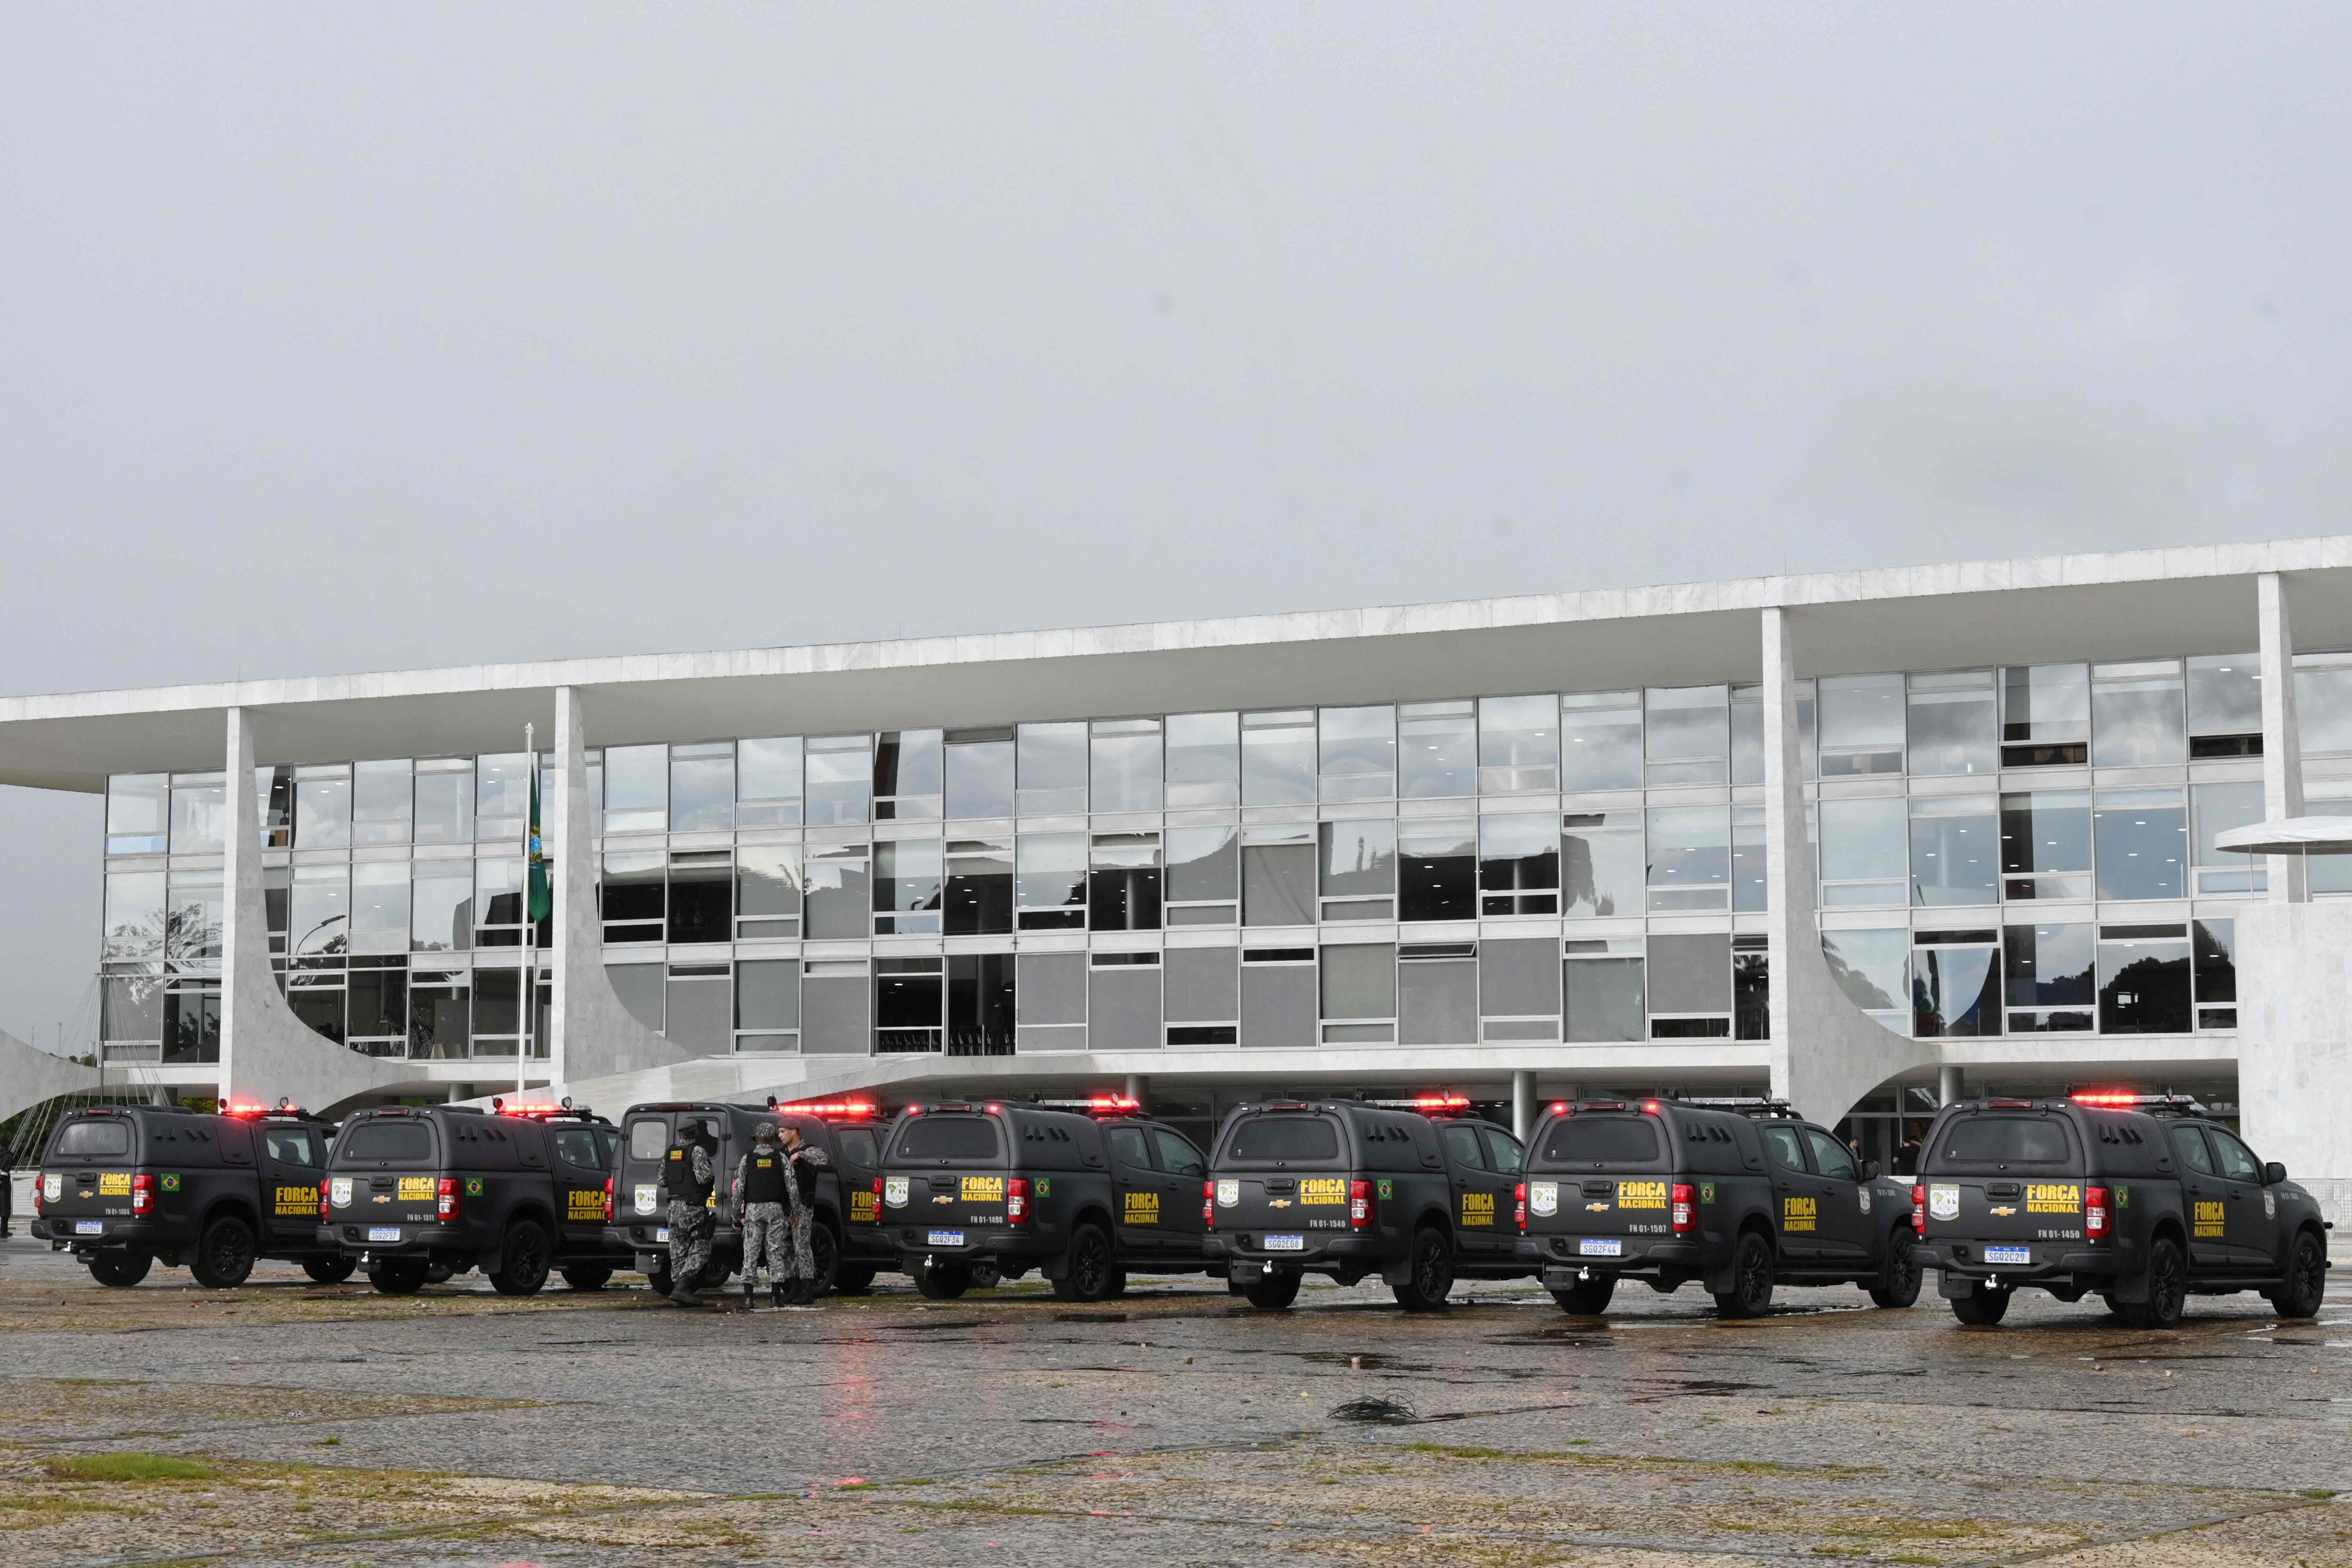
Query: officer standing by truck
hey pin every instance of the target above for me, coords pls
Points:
(765, 1189)
(807, 1159)
(688, 1177)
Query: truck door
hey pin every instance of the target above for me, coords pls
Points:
(579, 1174)
(2250, 1219)
(1797, 1198)
(1182, 1169)
(1482, 1196)
(2206, 1199)
(291, 1158)
(1138, 1190)
(1847, 1234)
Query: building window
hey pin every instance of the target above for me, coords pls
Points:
(1358, 993)
(1690, 859)
(1600, 741)
(839, 895)
(192, 1021)
(768, 891)
(1519, 989)
(1359, 870)
(440, 1015)
(1750, 889)
(1954, 723)
(2215, 945)
(1125, 765)
(1873, 968)
(2219, 807)
(1861, 720)
(1050, 880)
(1203, 875)
(2323, 707)
(839, 780)
(1956, 985)
(2225, 705)
(134, 918)
(1278, 876)
(1437, 870)
(701, 896)
(2045, 715)
(1123, 882)
(907, 776)
(1279, 758)
(1690, 986)
(2143, 979)
(979, 774)
(1602, 871)
(1051, 768)
(2136, 718)
(1955, 850)
(909, 1004)
(1204, 759)
(637, 789)
(502, 795)
(196, 918)
(441, 905)
(1437, 749)
(445, 800)
(981, 1004)
(768, 781)
(498, 902)
(1751, 988)
(1601, 993)
(1519, 744)
(1518, 863)
(1437, 993)
(377, 996)
(701, 787)
(198, 815)
(1357, 758)
(2141, 837)
(1687, 734)
(2045, 845)
(138, 814)
(384, 801)
(979, 886)
(907, 873)
(768, 1004)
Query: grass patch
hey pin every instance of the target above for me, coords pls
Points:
(130, 1467)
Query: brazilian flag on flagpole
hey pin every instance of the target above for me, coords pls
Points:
(540, 896)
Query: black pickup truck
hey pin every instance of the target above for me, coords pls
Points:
(127, 1186)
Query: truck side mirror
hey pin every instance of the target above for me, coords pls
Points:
(2274, 1173)
(1870, 1170)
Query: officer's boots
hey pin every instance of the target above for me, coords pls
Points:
(776, 1294)
(804, 1290)
(749, 1285)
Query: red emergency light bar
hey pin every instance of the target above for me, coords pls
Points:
(1442, 1101)
(565, 1108)
(844, 1108)
(2107, 1097)
(1098, 1105)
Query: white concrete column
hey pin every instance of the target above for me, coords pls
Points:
(1948, 1085)
(592, 1035)
(29, 1075)
(2281, 736)
(1523, 1104)
(1826, 1054)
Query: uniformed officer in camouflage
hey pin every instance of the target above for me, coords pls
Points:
(687, 1178)
(764, 1191)
(807, 1159)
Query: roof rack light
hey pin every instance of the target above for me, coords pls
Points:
(1098, 1105)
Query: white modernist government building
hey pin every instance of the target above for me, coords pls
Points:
(1859, 838)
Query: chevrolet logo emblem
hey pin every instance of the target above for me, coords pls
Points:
(1277, 1203)
(2004, 1210)
(944, 1198)
(1596, 1208)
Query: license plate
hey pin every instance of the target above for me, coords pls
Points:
(90, 1227)
(947, 1238)
(2009, 1254)
(384, 1232)
(661, 1233)
(1592, 1246)
(1286, 1244)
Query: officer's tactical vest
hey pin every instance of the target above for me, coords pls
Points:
(764, 1177)
(679, 1184)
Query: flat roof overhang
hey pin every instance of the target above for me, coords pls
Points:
(2109, 607)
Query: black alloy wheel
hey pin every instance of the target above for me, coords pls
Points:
(1271, 1291)
(120, 1270)
(225, 1254)
(1088, 1267)
(2167, 1287)
(331, 1270)
(1586, 1298)
(1430, 1278)
(1750, 1295)
(1899, 1273)
(523, 1260)
(2306, 1286)
(587, 1276)
(1982, 1307)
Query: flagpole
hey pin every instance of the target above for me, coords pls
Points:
(530, 927)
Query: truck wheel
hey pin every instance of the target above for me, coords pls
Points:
(223, 1254)
(824, 1253)
(398, 1276)
(853, 1279)
(1088, 1267)
(523, 1260)
(2167, 1289)
(942, 1281)
(1431, 1278)
(2300, 1294)
(658, 1281)
(331, 1270)
(120, 1270)
(1898, 1284)
(437, 1273)
(1982, 1307)
(1586, 1298)
(1750, 1295)
(587, 1276)
(1271, 1291)
(986, 1276)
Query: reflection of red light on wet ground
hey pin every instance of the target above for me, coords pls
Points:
(851, 1481)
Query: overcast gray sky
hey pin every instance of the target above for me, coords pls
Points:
(342, 338)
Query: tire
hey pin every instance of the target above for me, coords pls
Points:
(854, 1278)
(1750, 1295)
(331, 1270)
(1271, 1292)
(659, 1281)
(438, 1273)
(2167, 1287)
(1898, 1284)
(1586, 1298)
(225, 1254)
(120, 1270)
(986, 1276)
(587, 1276)
(1430, 1277)
(942, 1282)
(398, 1276)
(824, 1252)
(523, 1259)
(1982, 1307)
(1088, 1267)
(2303, 1291)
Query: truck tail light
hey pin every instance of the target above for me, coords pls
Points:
(1519, 1207)
(1016, 1201)
(1209, 1206)
(142, 1194)
(2094, 1213)
(445, 1201)
(325, 1214)
(1359, 1205)
(608, 1200)
(1686, 1210)
(1919, 1210)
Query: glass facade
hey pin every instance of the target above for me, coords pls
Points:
(2000, 851)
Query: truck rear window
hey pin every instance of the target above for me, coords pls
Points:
(1600, 1140)
(401, 1140)
(949, 1138)
(2007, 1140)
(648, 1140)
(1285, 1138)
(92, 1140)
